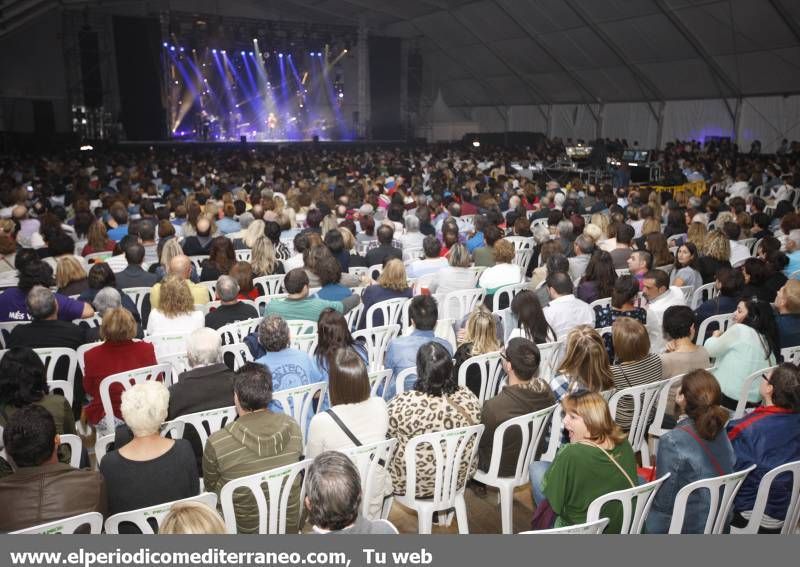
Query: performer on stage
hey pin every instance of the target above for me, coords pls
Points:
(272, 124)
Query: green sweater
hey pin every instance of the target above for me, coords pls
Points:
(307, 309)
(579, 474)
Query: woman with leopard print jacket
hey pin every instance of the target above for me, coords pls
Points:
(436, 403)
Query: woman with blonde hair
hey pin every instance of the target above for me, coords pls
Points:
(171, 248)
(697, 234)
(392, 284)
(253, 233)
(194, 518)
(97, 240)
(262, 258)
(598, 460)
(480, 338)
(585, 364)
(715, 254)
(602, 222)
(175, 312)
(71, 278)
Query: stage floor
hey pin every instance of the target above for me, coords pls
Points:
(262, 144)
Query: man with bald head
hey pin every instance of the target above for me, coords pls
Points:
(200, 244)
(181, 266)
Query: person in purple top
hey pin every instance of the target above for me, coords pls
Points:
(12, 301)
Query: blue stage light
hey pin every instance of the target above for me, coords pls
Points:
(172, 48)
(243, 53)
(165, 44)
(319, 54)
(224, 52)
(280, 54)
(251, 54)
(181, 50)
(214, 51)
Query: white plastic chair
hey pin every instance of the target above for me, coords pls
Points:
(791, 354)
(270, 285)
(81, 354)
(374, 272)
(792, 517)
(378, 380)
(661, 405)
(704, 293)
(623, 272)
(371, 460)
(389, 309)
(50, 358)
(279, 483)
(208, 422)
(211, 286)
(599, 303)
(299, 402)
(138, 295)
(358, 271)
(531, 427)
(688, 293)
(167, 343)
(522, 258)
(75, 445)
(179, 362)
(491, 371)
(156, 513)
(458, 304)
(354, 316)
(477, 271)
(644, 398)
(724, 321)
(453, 450)
(197, 261)
(301, 327)
(172, 429)
(632, 520)
(306, 343)
(237, 331)
(507, 292)
(5, 330)
(92, 322)
(400, 380)
(376, 341)
(68, 525)
(127, 380)
(243, 255)
(550, 358)
(744, 391)
(719, 505)
(589, 528)
(238, 353)
(554, 443)
(521, 242)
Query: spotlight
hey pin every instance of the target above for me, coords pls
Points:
(476, 143)
(214, 51)
(165, 44)
(280, 54)
(172, 48)
(311, 54)
(341, 95)
(181, 50)
(243, 54)
(224, 52)
(251, 54)
(319, 54)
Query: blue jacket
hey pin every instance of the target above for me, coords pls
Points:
(767, 437)
(682, 455)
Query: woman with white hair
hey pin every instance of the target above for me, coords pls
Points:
(150, 469)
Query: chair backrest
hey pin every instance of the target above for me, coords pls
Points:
(491, 371)
(553, 444)
(237, 331)
(550, 358)
(243, 255)
(704, 293)
(167, 343)
(75, 445)
(91, 322)
(719, 504)
(354, 316)
(306, 343)
(632, 519)
(600, 303)
(68, 525)
(376, 340)
(477, 271)
(661, 404)
(747, 388)
(357, 271)
(791, 354)
(531, 426)
(521, 242)
(522, 258)
(371, 460)
(451, 448)
(127, 380)
(301, 327)
(644, 398)
(459, 304)
(374, 271)
(792, 517)
(378, 380)
(269, 285)
(390, 309)
(5, 330)
(94, 257)
(197, 261)
(211, 286)
(137, 295)
(688, 293)
(235, 355)
(506, 294)
(278, 484)
(51, 359)
(589, 528)
(172, 429)
(623, 272)
(208, 421)
(299, 402)
(143, 516)
(179, 362)
(401, 378)
(724, 321)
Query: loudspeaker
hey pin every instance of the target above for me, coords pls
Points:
(243, 139)
(91, 80)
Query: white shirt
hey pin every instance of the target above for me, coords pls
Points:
(500, 275)
(158, 323)
(655, 316)
(420, 268)
(449, 279)
(739, 189)
(739, 252)
(567, 312)
(295, 261)
(412, 240)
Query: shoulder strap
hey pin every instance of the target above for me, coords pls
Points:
(343, 427)
(612, 459)
(706, 450)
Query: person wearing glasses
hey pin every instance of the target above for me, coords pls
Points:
(768, 437)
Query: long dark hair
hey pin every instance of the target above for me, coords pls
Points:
(221, 254)
(690, 246)
(22, 378)
(332, 335)
(760, 317)
(601, 270)
(435, 371)
(530, 317)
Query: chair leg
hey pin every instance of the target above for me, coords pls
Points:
(506, 494)
(387, 507)
(645, 450)
(425, 520)
(461, 514)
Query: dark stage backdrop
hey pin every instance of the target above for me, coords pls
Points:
(138, 47)
(384, 77)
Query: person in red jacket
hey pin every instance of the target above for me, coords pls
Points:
(118, 353)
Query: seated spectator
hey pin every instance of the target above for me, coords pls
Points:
(194, 518)
(432, 263)
(355, 259)
(739, 252)
(42, 489)
(242, 272)
(531, 322)
(681, 354)
(582, 251)
(769, 251)
(659, 296)
(565, 311)
(684, 271)
(392, 284)
(227, 224)
(263, 259)
(147, 236)
(60, 245)
(716, 254)
(149, 469)
(730, 284)
(656, 244)
(480, 338)
(597, 281)
(333, 498)
(402, 351)
(259, 440)
(503, 272)
(221, 258)
(118, 221)
(175, 312)
(755, 272)
(524, 393)
(13, 305)
(333, 334)
(636, 364)
(484, 255)
(745, 347)
(169, 250)
(546, 250)
(622, 249)
(639, 263)
(412, 237)
(201, 244)
(302, 242)
(598, 460)
(456, 276)
(97, 240)
(231, 309)
(71, 277)
(334, 242)
(768, 437)
(45, 330)
(118, 353)
(324, 271)
(299, 305)
(355, 418)
(134, 275)
(787, 319)
(585, 364)
(107, 298)
(435, 403)
(385, 251)
(623, 304)
(696, 449)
